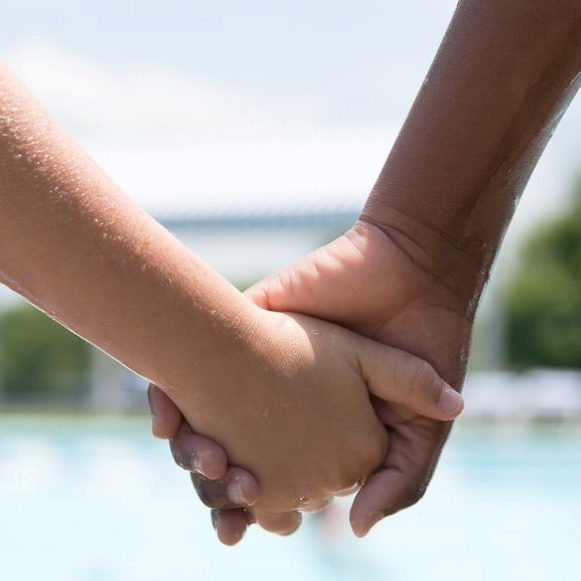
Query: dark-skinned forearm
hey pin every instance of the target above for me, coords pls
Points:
(503, 76)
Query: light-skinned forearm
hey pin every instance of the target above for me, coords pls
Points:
(504, 74)
(75, 246)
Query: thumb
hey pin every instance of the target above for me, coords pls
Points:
(402, 378)
(294, 289)
(267, 293)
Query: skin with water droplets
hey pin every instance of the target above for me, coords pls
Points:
(503, 76)
(478, 136)
(284, 393)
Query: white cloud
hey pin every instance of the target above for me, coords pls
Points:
(140, 100)
(180, 144)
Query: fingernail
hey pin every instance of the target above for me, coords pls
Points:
(214, 516)
(178, 459)
(196, 464)
(362, 527)
(236, 494)
(154, 424)
(153, 410)
(150, 400)
(199, 461)
(451, 402)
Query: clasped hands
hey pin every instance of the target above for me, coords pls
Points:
(328, 408)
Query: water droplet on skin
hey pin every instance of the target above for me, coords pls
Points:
(301, 500)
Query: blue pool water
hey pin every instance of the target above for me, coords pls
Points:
(100, 500)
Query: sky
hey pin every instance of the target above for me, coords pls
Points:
(227, 106)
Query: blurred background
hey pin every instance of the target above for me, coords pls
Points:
(255, 131)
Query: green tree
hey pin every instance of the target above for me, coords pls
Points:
(544, 298)
(40, 358)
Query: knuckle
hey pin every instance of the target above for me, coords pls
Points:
(343, 479)
(352, 479)
(210, 492)
(178, 454)
(368, 454)
(348, 482)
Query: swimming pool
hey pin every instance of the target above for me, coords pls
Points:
(100, 500)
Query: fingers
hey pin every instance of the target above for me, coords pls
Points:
(237, 489)
(402, 378)
(198, 454)
(380, 497)
(280, 523)
(413, 454)
(258, 294)
(231, 524)
(219, 487)
(190, 451)
(166, 418)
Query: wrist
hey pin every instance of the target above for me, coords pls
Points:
(456, 266)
